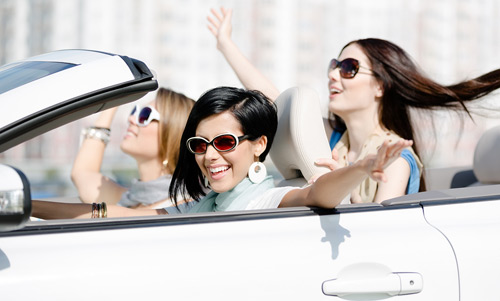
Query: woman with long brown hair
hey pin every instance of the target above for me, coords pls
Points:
(372, 87)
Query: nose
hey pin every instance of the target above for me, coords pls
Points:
(334, 74)
(211, 154)
(131, 119)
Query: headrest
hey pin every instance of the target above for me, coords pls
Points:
(301, 137)
(486, 164)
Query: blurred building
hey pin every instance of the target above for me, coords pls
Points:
(291, 41)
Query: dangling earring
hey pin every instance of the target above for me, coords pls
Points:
(205, 180)
(257, 172)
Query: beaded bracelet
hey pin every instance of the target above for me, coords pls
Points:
(98, 133)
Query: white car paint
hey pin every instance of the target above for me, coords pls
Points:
(108, 70)
(282, 258)
(473, 229)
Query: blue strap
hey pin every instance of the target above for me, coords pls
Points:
(414, 180)
(334, 138)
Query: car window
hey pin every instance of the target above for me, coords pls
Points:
(18, 74)
(46, 160)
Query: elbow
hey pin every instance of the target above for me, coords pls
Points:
(74, 176)
(317, 200)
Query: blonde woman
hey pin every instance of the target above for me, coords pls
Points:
(152, 139)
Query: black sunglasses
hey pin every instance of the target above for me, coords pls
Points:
(348, 67)
(221, 143)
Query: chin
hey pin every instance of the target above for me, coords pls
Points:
(124, 148)
(221, 187)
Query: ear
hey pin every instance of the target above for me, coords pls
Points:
(379, 89)
(260, 145)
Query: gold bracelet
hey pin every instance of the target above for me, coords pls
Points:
(99, 210)
(104, 210)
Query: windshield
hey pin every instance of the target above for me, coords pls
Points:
(18, 74)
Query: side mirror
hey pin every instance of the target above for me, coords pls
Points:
(15, 198)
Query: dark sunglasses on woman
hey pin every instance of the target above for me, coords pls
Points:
(144, 116)
(348, 67)
(221, 143)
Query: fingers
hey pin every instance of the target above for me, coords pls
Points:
(212, 21)
(216, 14)
(212, 30)
(396, 148)
(335, 154)
(219, 21)
(375, 164)
(213, 26)
(381, 156)
(227, 13)
(379, 176)
(325, 162)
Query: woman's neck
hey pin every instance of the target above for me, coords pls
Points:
(359, 130)
(150, 169)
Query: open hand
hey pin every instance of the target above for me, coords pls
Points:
(374, 165)
(220, 25)
(331, 163)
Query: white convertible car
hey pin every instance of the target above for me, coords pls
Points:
(436, 245)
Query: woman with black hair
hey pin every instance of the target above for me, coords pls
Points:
(227, 137)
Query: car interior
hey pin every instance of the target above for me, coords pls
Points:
(301, 138)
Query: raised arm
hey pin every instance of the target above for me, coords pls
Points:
(329, 189)
(86, 174)
(249, 76)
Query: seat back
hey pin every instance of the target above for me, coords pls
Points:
(486, 164)
(300, 138)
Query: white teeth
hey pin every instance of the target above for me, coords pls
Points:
(334, 90)
(219, 169)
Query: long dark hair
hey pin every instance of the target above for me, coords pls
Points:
(253, 110)
(405, 87)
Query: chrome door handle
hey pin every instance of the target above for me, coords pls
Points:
(391, 284)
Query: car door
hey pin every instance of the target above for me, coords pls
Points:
(472, 225)
(358, 253)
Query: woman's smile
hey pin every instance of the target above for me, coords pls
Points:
(218, 172)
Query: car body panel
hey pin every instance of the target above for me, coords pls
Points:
(472, 228)
(106, 70)
(247, 257)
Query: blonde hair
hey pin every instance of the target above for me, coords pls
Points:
(174, 109)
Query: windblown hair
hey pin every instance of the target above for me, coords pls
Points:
(405, 86)
(174, 109)
(256, 114)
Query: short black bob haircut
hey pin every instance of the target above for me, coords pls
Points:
(254, 111)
